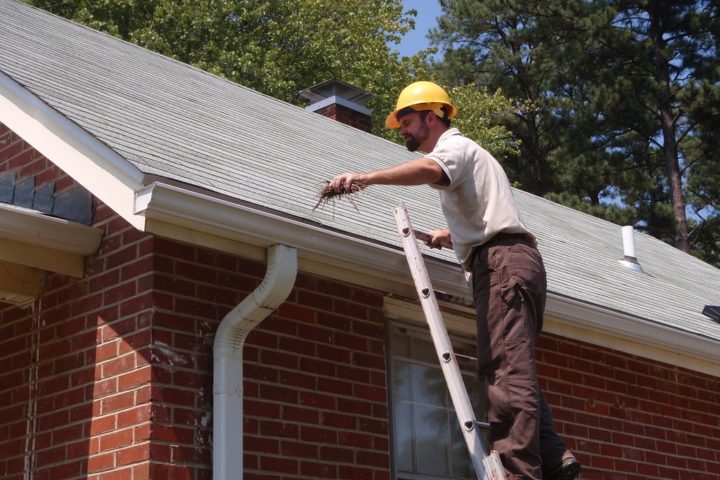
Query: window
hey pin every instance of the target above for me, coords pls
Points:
(428, 442)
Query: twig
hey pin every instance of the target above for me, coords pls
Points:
(329, 194)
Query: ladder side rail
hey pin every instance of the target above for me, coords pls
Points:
(486, 466)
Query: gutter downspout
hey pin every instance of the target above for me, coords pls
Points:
(228, 361)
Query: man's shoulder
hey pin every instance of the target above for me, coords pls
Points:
(453, 137)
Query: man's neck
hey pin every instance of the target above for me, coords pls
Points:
(429, 144)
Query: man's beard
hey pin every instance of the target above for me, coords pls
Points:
(414, 142)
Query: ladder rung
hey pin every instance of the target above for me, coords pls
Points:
(466, 357)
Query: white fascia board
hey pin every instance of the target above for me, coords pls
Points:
(34, 228)
(90, 162)
(263, 228)
(616, 324)
(31, 239)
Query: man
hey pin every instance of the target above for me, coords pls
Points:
(508, 276)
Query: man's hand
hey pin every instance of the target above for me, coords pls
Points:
(439, 239)
(435, 238)
(343, 183)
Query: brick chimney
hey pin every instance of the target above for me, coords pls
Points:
(340, 101)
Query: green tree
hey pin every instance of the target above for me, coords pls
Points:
(660, 73)
(617, 99)
(278, 48)
(479, 118)
(282, 47)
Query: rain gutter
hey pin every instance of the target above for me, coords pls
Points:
(162, 204)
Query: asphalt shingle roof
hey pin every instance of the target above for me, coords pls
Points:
(174, 121)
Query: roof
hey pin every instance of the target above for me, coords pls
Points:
(167, 120)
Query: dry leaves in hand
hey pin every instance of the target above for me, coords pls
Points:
(328, 195)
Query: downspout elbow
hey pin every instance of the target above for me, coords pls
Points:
(227, 353)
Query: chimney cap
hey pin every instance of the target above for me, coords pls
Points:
(336, 87)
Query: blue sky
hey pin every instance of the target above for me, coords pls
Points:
(427, 12)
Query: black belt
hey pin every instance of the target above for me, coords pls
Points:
(502, 237)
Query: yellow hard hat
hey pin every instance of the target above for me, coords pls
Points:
(422, 96)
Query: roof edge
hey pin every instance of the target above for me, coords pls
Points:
(31, 239)
(89, 161)
(35, 228)
(261, 228)
(575, 313)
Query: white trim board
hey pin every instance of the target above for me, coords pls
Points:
(86, 159)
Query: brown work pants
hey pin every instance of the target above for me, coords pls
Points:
(509, 289)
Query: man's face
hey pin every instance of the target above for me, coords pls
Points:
(414, 129)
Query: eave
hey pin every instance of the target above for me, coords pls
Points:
(31, 242)
(217, 223)
(90, 162)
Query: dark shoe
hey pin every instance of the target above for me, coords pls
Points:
(568, 469)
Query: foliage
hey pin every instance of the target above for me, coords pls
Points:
(620, 99)
(278, 48)
(479, 117)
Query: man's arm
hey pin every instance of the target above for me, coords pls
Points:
(415, 172)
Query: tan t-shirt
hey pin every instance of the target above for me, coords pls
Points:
(478, 203)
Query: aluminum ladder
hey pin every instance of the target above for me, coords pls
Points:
(487, 465)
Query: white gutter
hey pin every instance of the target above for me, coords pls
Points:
(171, 204)
(228, 361)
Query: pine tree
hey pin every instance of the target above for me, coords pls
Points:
(616, 99)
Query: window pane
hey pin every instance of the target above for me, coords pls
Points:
(402, 382)
(461, 464)
(476, 392)
(401, 342)
(424, 350)
(431, 438)
(427, 436)
(428, 385)
(403, 436)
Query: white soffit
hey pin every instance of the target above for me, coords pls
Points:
(19, 285)
(90, 162)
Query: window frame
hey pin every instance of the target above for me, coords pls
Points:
(460, 323)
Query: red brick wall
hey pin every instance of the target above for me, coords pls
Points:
(347, 116)
(628, 418)
(76, 368)
(316, 404)
(16, 155)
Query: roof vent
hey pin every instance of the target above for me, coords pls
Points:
(712, 311)
(340, 101)
(629, 260)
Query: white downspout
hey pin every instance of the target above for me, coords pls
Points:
(228, 362)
